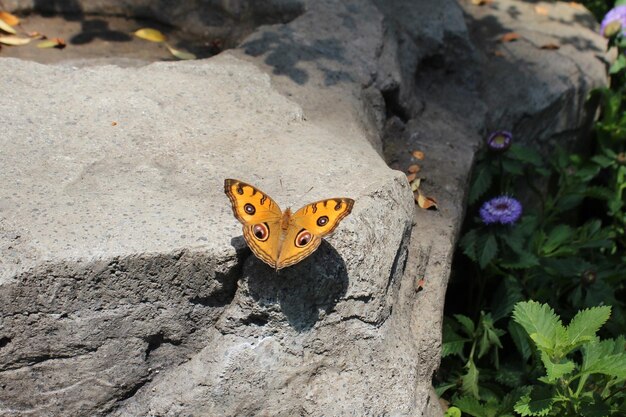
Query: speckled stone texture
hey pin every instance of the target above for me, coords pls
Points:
(126, 288)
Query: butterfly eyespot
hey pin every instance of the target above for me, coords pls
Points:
(260, 231)
(303, 238)
(322, 221)
(249, 209)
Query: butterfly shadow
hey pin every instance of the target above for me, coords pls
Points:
(303, 291)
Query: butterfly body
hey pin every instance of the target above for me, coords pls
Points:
(282, 238)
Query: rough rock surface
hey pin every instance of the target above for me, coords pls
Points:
(126, 288)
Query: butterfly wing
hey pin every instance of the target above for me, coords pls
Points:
(308, 226)
(260, 216)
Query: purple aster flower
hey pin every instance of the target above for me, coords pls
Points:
(503, 210)
(499, 141)
(613, 21)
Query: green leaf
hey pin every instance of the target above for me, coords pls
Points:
(525, 154)
(468, 244)
(541, 323)
(523, 260)
(452, 412)
(470, 405)
(536, 402)
(597, 408)
(554, 371)
(481, 183)
(508, 293)
(467, 323)
(469, 381)
(605, 357)
(490, 336)
(603, 161)
(557, 237)
(452, 342)
(585, 324)
(618, 65)
(441, 389)
(510, 375)
(520, 339)
(487, 251)
(513, 167)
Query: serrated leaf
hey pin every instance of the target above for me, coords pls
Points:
(452, 342)
(554, 370)
(541, 323)
(441, 389)
(525, 154)
(4, 26)
(510, 376)
(586, 323)
(481, 183)
(180, 54)
(536, 402)
(14, 40)
(469, 381)
(559, 235)
(487, 250)
(522, 260)
(150, 34)
(606, 357)
(520, 339)
(598, 408)
(468, 244)
(467, 323)
(470, 405)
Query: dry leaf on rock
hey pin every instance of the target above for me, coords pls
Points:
(415, 184)
(418, 155)
(413, 169)
(9, 18)
(14, 40)
(420, 284)
(510, 37)
(150, 34)
(6, 27)
(425, 202)
(481, 2)
(550, 46)
(498, 53)
(542, 10)
(52, 43)
(180, 54)
(578, 6)
(411, 177)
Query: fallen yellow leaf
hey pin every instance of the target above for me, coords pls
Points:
(415, 184)
(542, 10)
(411, 177)
(52, 43)
(14, 40)
(151, 35)
(418, 154)
(9, 18)
(180, 54)
(425, 202)
(6, 27)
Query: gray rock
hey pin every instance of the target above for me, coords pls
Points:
(125, 285)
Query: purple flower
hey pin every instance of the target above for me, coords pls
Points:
(499, 141)
(613, 21)
(503, 210)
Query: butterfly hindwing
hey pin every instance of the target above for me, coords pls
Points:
(308, 225)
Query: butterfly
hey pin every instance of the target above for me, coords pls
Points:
(282, 238)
